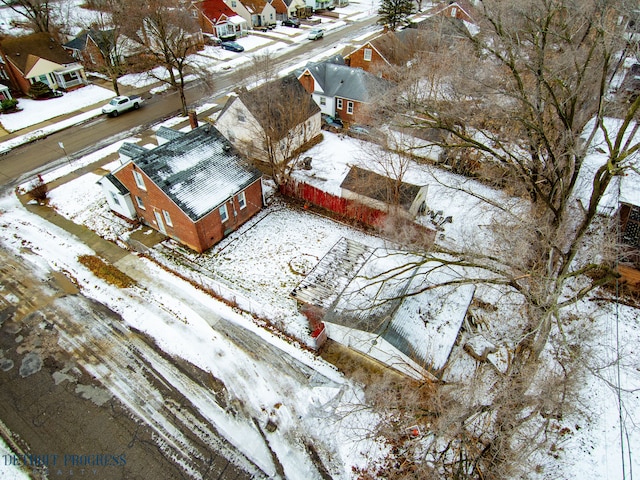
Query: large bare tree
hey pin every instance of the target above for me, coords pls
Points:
(37, 12)
(521, 104)
(169, 35)
(285, 120)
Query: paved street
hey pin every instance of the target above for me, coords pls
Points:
(94, 134)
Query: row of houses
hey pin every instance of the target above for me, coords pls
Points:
(38, 57)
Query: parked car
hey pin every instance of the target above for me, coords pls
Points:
(358, 130)
(291, 22)
(316, 33)
(232, 46)
(211, 40)
(121, 104)
(331, 121)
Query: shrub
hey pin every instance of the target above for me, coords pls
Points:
(8, 104)
(107, 272)
(39, 190)
(40, 90)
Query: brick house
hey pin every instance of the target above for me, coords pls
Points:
(38, 57)
(289, 8)
(194, 188)
(217, 18)
(341, 91)
(95, 49)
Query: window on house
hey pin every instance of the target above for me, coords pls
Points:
(224, 215)
(242, 200)
(367, 54)
(139, 180)
(323, 101)
(167, 218)
(115, 199)
(350, 108)
(241, 117)
(140, 203)
(339, 104)
(454, 10)
(233, 3)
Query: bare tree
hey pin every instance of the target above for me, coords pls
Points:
(169, 35)
(37, 13)
(285, 121)
(108, 38)
(526, 102)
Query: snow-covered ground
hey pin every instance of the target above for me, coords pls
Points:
(256, 261)
(37, 111)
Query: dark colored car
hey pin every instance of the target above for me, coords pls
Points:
(291, 22)
(233, 46)
(332, 122)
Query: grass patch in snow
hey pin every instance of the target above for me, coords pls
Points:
(108, 273)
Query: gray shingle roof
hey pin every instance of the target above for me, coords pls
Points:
(131, 150)
(104, 40)
(198, 171)
(168, 133)
(339, 80)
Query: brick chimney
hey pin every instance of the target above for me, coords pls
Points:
(193, 119)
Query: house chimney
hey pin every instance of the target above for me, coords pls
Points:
(193, 119)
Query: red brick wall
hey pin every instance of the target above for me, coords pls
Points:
(360, 112)
(356, 60)
(198, 236)
(17, 79)
(210, 228)
(307, 82)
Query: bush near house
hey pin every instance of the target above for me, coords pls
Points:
(40, 90)
(39, 190)
(9, 105)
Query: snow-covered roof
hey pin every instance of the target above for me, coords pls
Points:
(131, 150)
(198, 171)
(168, 133)
(392, 295)
(115, 182)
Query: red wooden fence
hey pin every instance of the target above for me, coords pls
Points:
(350, 209)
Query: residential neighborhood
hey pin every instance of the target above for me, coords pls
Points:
(392, 250)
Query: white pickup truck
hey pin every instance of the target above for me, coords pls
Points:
(121, 104)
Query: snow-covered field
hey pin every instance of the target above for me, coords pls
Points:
(256, 261)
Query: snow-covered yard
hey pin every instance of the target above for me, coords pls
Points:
(37, 111)
(260, 264)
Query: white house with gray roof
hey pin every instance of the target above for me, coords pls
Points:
(341, 91)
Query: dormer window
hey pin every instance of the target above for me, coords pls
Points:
(139, 180)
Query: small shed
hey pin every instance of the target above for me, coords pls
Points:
(383, 192)
(388, 305)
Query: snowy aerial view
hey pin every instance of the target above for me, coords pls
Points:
(332, 239)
